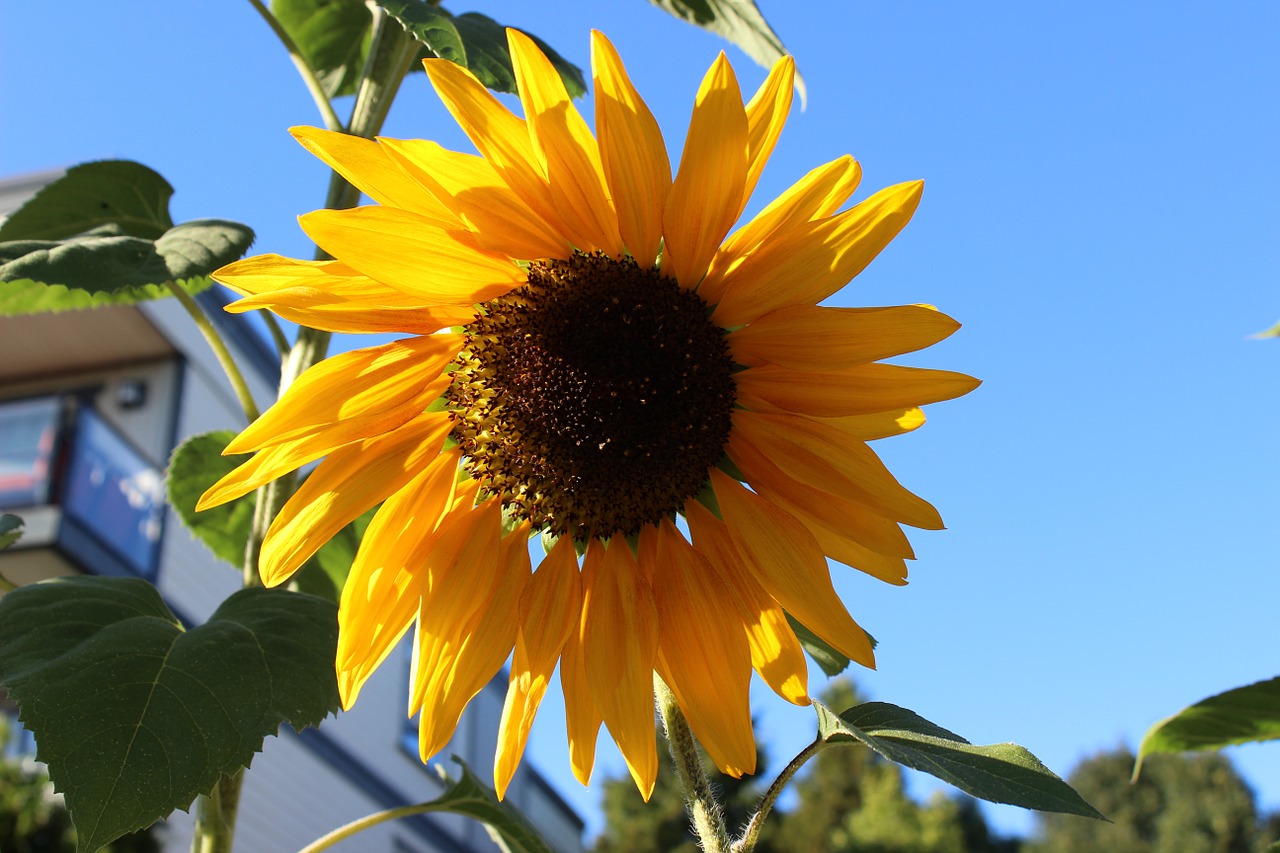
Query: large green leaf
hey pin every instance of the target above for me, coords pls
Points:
(1243, 715)
(10, 530)
(334, 36)
(489, 58)
(135, 716)
(197, 463)
(101, 234)
(1002, 773)
(119, 193)
(470, 797)
(25, 296)
(96, 262)
(739, 22)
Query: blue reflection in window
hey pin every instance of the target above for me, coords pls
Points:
(114, 492)
(28, 438)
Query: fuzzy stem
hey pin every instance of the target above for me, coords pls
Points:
(704, 808)
(216, 816)
(751, 833)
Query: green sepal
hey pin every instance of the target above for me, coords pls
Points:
(1001, 773)
(136, 716)
(831, 661)
(737, 21)
(1243, 715)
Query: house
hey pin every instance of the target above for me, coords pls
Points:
(92, 403)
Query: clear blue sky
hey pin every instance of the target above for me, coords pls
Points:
(1100, 212)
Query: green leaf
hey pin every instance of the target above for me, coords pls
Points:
(101, 234)
(1003, 773)
(1273, 332)
(197, 463)
(1243, 715)
(105, 264)
(739, 22)
(135, 716)
(430, 25)
(489, 58)
(831, 661)
(120, 193)
(470, 797)
(333, 36)
(10, 530)
(25, 296)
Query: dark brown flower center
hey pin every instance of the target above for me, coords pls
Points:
(594, 399)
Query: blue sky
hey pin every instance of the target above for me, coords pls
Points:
(1100, 211)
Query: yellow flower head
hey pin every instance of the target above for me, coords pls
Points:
(621, 363)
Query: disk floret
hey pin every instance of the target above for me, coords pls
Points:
(595, 398)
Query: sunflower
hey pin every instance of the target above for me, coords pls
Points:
(617, 363)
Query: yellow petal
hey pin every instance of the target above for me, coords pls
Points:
(825, 459)
(806, 337)
(619, 636)
(332, 297)
(813, 261)
(500, 220)
(352, 479)
(839, 547)
(412, 254)
(568, 149)
(467, 624)
(862, 390)
(702, 651)
(550, 610)
(855, 519)
(766, 114)
(381, 595)
(775, 652)
(786, 560)
(818, 194)
(878, 425)
(581, 716)
(263, 467)
(501, 137)
(632, 153)
(706, 195)
(355, 394)
(366, 165)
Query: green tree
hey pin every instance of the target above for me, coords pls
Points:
(848, 799)
(1180, 804)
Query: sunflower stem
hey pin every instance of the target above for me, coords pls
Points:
(704, 808)
(308, 74)
(216, 816)
(220, 351)
(344, 832)
(751, 832)
(277, 334)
